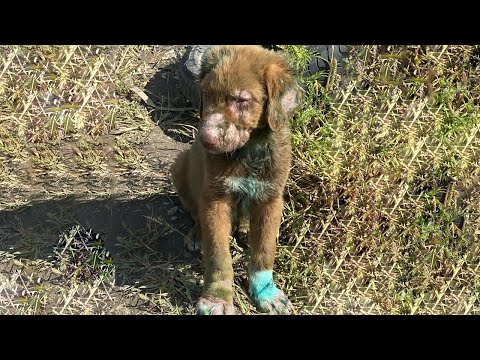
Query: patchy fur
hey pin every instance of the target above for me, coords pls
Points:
(235, 172)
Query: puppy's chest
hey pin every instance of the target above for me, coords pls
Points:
(248, 188)
(252, 179)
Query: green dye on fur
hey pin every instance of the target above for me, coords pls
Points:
(255, 159)
(224, 293)
(249, 188)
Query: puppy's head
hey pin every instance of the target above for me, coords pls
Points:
(243, 88)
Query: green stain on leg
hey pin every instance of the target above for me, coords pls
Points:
(220, 292)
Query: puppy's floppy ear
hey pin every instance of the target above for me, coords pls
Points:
(284, 94)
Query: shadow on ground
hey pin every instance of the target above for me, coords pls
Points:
(144, 236)
(176, 116)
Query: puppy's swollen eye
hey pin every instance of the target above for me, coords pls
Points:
(242, 99)
(242, 96)
(243, 103)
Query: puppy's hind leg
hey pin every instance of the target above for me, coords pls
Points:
(193, 240)
(179, 171)
(242, 225)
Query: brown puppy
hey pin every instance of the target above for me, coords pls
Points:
(235, 172)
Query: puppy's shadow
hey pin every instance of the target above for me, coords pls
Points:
(174, 114)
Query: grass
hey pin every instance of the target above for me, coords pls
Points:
(382, 205)
(384, 187)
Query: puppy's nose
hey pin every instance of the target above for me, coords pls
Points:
(208, 138)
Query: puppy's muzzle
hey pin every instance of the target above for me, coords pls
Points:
(220, 136)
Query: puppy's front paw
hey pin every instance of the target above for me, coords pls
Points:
(214, 306)
(267, 297)
(277, 304)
